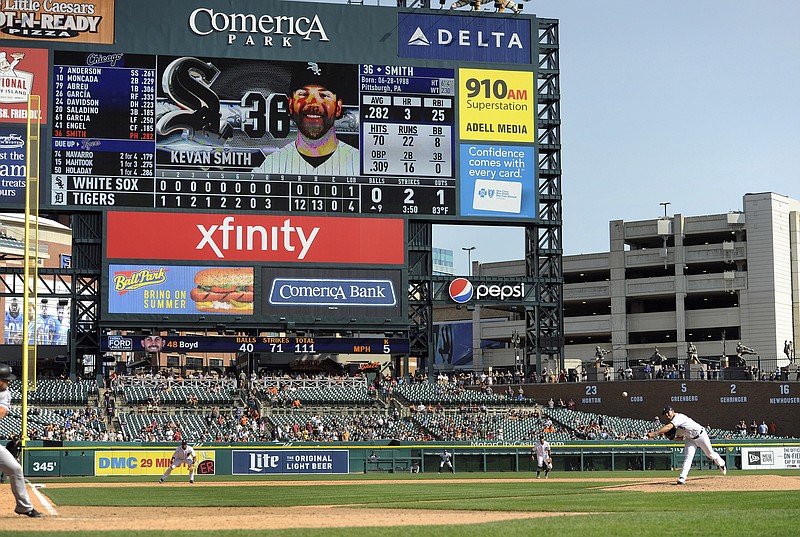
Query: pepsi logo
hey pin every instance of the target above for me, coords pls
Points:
(461, 290)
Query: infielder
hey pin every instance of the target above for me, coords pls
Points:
(694, 436)
(183, 454)
(541, 455)
(446, 457)
(8, 463)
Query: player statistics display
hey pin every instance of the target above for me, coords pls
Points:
(185, 132)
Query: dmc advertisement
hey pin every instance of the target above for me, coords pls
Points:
(170, 289)
(339, 292)
(155, 462)
(254, 238)
(271, 462)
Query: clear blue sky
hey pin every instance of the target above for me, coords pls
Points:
(689, 102)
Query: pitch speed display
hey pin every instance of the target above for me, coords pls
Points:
(185, 132)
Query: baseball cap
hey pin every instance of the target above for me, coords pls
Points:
(666, 409)
(340, 79)
(6, 373)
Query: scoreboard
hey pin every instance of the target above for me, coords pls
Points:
(144, 131)
(262, 344)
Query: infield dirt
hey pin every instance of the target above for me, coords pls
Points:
(250, 518)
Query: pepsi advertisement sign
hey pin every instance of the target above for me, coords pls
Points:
(461, 291)
(296, 461)
(504, 39)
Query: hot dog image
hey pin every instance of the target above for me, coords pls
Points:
(223, 290)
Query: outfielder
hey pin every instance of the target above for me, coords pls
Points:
(183, 454)
(446, 457)
(8, 463)
(694, 436)
(541, 455)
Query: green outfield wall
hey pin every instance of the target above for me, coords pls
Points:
(136, 459)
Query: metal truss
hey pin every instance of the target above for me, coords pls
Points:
(543, 243)
(420, 292)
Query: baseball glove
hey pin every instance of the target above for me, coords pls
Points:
(671, 434)
(549, 460)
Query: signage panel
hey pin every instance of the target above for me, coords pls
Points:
(76, 21)
(170, 289)
(260, 344)
(503, 39)
(326, 292)
(271, 462)
(149, 462)
(253, 238)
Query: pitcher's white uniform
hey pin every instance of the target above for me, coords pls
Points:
(542, 451)
(183, 454)
(694, 436)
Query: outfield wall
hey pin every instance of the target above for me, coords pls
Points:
(720, 404)
(135, 459)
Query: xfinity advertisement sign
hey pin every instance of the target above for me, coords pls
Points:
(272, 462)
(481, 39)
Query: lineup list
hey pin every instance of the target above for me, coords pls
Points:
(103, 130)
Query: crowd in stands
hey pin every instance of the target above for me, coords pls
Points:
(458, 406)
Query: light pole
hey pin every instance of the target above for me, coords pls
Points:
(469, 249)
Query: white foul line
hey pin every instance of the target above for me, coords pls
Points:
(43, 499)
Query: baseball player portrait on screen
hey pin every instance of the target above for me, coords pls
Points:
(316, 95)
(294, 118)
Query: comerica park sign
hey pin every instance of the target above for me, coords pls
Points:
(205, 21)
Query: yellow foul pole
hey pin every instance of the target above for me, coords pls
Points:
(31, 259)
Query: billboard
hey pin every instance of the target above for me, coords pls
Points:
(283, 107)
(218, 237)
(339, 292)
(453, 345)
(296, 461)
(181, 290)
(149, 462)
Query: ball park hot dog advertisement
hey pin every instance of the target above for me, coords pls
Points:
(164, 289)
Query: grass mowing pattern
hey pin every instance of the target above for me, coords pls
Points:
(617, 512)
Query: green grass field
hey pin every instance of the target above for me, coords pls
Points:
(616, 512)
